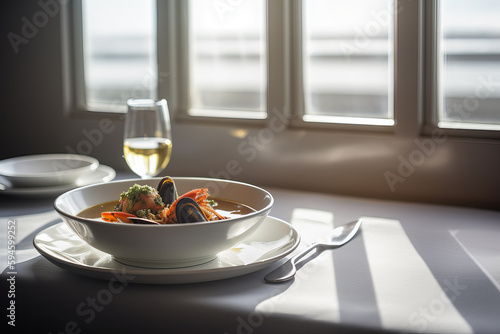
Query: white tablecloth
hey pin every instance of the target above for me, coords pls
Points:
(412, 268)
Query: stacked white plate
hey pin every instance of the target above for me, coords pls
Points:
(50, 174)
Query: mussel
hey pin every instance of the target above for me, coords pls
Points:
(188, 211)
(167, 190)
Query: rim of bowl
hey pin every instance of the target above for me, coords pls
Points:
(92, 165)
(92, 221)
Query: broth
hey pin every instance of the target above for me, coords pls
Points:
(224, 207)
(232, 209)
(96, 210)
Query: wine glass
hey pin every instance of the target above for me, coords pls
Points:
(147, 143)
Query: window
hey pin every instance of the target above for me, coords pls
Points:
(337, 61)
(119, 52)
(469, 53)
(348, 60)
(224, 67)
(227, 57)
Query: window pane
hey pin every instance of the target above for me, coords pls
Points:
(227, 56)
(470, 69)
(348, 58)
(119, 51)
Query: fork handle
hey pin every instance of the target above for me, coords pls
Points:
(288, 269)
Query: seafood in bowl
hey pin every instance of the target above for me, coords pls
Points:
(147, 205)
(167, 243)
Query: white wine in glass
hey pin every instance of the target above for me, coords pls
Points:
(147, 143)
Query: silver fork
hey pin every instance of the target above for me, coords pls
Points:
(341, 235)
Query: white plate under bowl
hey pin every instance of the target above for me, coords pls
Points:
(273, 240)
(44, 170)
(101, 174)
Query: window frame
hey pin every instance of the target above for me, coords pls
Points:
(415, 102)
(177, 65)
(433, 87)
(330, 122)
(74, 94)
(72, 56)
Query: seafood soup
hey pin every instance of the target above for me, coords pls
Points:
(226, 208)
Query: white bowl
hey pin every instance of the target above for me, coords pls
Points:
(46, 169)
(164, 246)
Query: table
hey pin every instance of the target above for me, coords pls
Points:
(412, 268)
